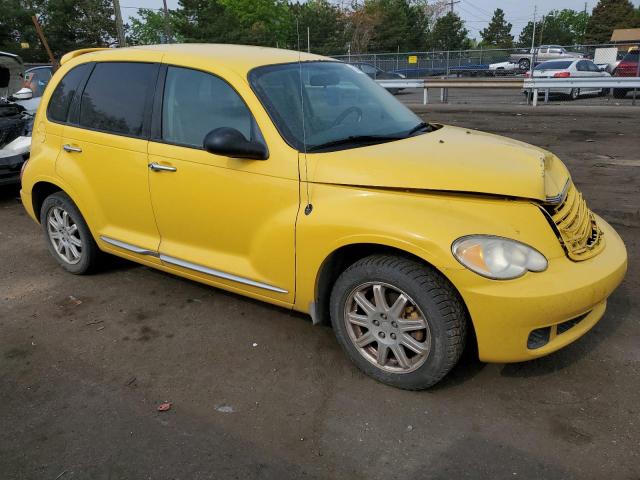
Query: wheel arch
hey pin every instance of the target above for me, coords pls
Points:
(39, 192)
(344, 256)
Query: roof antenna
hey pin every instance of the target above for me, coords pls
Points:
(309, 207)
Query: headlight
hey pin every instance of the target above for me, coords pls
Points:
(496, 257)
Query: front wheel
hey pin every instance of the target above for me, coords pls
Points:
(524, 64)
(68, 237)
(619, 92)
(574, 94)
(401, 322)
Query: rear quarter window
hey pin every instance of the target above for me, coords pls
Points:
(58, 108)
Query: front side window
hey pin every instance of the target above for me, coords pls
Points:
(196, 103)
(115, 96)
(336, 103)
(60, 101)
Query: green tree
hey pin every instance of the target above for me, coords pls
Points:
(150, 27)
(449, 33)
(70, 25)
(498, 32)
(609, 15)
(558, 27)
(16, 28)
(326, 23)
(207, 21)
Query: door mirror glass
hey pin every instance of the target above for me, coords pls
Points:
(23, 94)
(232, 143)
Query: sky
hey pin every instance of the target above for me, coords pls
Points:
(475, 13)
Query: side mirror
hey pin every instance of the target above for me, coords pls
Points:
(23, 94)
(232, 143)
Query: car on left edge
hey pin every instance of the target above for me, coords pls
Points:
(17, 108)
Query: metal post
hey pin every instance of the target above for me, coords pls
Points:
(535, 97)
(637, 75)
(425, 96)
(119, 26)
(533, 44)
(546, 95)
(45, 44)
(308, 41)
(447, 63)
(167, 24)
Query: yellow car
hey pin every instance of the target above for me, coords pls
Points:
(297, 180)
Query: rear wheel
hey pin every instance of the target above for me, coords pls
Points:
(574, 94)
(524, 64)
(68, 237)
(401, 322)
(619, 92)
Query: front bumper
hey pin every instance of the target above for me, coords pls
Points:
(12, 157)
(504, 313)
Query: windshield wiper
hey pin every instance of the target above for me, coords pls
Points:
(355, 139)
(418, 127)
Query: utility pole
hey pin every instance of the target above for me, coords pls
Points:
(451, 4)
(167, 23)
(532, 61)
(45, 44)
(119, 26)
(308, 40)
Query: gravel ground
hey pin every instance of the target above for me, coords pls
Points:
(258, 392)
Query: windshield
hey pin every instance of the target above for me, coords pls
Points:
(343, 107)
(553, 66)
(632, 56)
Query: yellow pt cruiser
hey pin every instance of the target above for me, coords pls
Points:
(297, 180)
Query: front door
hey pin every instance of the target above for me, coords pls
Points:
(227, 221)
(104, 154)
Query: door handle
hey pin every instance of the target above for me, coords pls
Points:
(156, 167)
(71, 148)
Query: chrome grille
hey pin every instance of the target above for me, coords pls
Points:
(576, 224)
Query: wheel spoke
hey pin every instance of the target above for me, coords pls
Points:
(364, 303)
(54, 223)
(365, 339)
(382, 355)
(410, 325)
(361, 320)
(55, 235)
(401, 356)
(56, 214)
(65, 219)
(378, 296)
(73, 229)
(75, 241)
(412, 344)
(74, 251)
(398, 306)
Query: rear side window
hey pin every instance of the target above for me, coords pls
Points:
(115, 97)
(60, 101)
(553, 65)
(196, 102)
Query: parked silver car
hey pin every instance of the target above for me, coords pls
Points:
(541, 54)
(571, 68)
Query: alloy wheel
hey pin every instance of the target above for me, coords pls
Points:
(387, 327)
(64, 235)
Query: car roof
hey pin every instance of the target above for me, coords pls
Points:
(241, 58)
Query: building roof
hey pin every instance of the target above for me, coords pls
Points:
(626, 35)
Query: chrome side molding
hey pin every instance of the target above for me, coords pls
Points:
(128, 246)
(191, 266)
(219, 274)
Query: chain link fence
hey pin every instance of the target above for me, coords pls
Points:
(483, 62)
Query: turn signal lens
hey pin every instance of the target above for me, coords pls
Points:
(496, 257)
(562, 75)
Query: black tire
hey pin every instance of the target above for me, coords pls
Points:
(619, 92)
(434, 296)
(89, 254)
(574, 94)
(524, 64)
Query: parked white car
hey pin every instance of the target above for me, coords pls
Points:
(569, 68)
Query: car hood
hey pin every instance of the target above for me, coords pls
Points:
(11, 83)
(447, 159)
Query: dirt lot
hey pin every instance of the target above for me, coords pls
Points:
(84, 361)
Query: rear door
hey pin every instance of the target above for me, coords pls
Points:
(104, 154)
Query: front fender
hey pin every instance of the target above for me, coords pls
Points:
(423, 224)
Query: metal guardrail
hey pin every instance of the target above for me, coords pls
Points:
(536, 85)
